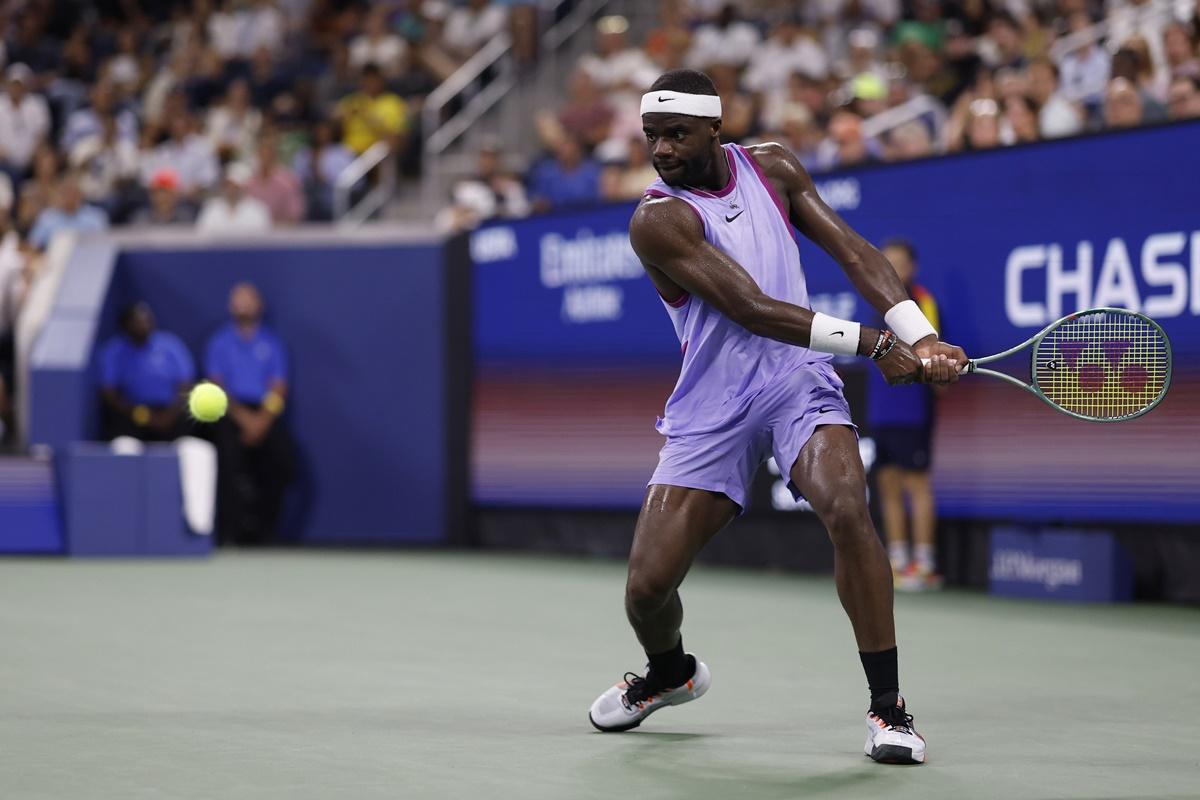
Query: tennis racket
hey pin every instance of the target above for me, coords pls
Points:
(1102, 365)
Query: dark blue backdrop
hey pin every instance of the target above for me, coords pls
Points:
(365, 329)
(973, 220)
(1008, 241)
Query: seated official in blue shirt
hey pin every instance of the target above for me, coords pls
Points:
(145, 374)
(254, 452)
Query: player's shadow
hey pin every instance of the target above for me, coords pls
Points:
(661, 737)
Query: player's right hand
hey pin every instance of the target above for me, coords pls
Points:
(901, 366)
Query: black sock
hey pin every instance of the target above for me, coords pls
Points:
(883, 676)
(672, 668)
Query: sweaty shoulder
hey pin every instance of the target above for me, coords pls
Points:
(780, 165)
(661, 225)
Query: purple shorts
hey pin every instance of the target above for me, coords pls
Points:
(779, 422)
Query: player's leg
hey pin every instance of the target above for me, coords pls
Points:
(829, 473)
(890, 486)
(673, 526)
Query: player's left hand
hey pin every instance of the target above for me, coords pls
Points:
(946, 361)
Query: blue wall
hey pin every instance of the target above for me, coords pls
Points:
(1008, 241)
(365, 328)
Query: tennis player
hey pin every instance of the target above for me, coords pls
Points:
(715, 234)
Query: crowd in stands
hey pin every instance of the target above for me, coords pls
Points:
(217, 115)
(815, 75)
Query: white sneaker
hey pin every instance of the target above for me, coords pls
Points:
(892, 738)
(625, 705)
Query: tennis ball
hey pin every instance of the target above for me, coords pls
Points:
(207, 402)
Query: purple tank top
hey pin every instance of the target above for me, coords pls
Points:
(724, 365)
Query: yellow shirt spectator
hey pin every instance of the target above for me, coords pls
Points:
(372, 114)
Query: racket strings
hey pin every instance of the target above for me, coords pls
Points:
(1103, 365)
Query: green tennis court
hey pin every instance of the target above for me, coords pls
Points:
(463, 676)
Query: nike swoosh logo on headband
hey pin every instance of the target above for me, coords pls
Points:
(665, 99)
(838, 333)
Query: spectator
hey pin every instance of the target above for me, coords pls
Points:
(144, 375)
(1020, 124)
(587, 115)
(1057, 116)
(910, 140)
(239, 29)
(846, 145)
(491, 192)
(567, 179)
(89, 121)
(789, 49)
(187, 152)
(276, 185)
(232, 210)
(1003, 46)
(983, 125)
(1123, 105)
(739, 115)
(901, 423)
(1085, 70)
(615, 64)
(167, 206)
(471, 26)
(254, 451)
(725, 40)
(107, 166)
(232, 127)
(37, 193)
(1180, 52)
(801, 135)
(1128, 65)
(372, 114)
(169, 78)
(1183, 98)
(377, 45)
(266, 80)
(24, 122)
(318, 167)
(69, 213)
(628, 179)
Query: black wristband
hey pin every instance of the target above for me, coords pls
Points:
(887, 340)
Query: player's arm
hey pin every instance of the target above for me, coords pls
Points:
(668, 237)
(866, 267)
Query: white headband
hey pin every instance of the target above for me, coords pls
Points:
(689, 105)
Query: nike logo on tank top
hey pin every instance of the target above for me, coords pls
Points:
(724, 365)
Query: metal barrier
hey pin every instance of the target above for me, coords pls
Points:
(377, 155)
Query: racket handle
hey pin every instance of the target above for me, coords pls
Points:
(970, 366)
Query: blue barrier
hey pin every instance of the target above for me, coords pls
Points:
(1080, 565)
(365, 329)
(125, 505)
(64, 407)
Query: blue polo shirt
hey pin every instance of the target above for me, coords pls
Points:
(147, 375)
(245, 367)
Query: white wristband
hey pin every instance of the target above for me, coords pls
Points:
(833, 335)
(906, 321)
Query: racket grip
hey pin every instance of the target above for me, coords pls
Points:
(968, 367)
